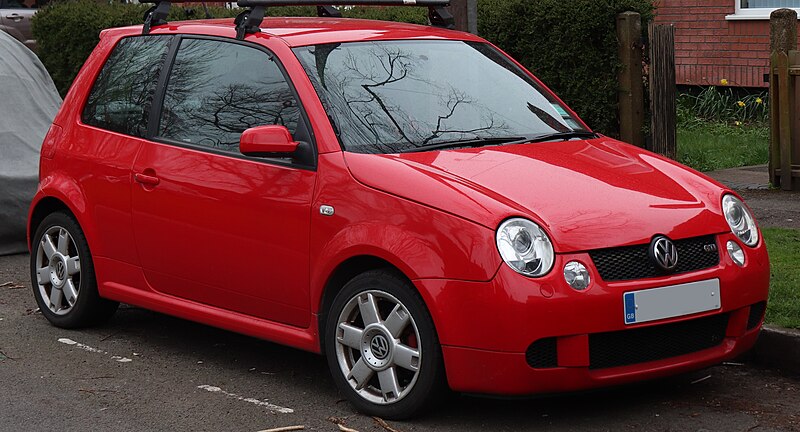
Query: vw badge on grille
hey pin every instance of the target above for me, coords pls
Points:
(664, 253)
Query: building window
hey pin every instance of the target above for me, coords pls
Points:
(772, 4)
(760, 9)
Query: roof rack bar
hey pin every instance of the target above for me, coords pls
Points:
(250, 20)
(156, 15)
(249, 3)
(438, 14)
(328, 11)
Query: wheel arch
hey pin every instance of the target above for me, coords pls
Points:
(58, 191)
(43, 207)
(343, 273)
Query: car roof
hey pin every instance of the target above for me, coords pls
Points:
(297, 32)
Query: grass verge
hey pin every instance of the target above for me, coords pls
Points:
(784, 296)
(714, 146)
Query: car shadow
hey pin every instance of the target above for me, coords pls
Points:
(232, 355)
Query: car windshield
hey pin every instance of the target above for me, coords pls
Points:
(402, 96)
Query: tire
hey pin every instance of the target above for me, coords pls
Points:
(377, 332)
(63, 277)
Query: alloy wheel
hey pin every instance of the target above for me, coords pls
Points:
(58, 270)
(378, 347)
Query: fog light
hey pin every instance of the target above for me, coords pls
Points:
(576, 275)
(736, 253)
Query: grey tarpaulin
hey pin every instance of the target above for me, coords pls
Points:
(28, 102)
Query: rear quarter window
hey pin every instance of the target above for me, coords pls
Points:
(122, 94)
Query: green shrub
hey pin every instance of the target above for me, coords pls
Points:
(67, 31)
(571, 45)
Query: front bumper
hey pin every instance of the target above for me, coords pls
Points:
(486, 328)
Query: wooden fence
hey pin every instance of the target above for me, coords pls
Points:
(663, 91)
(784, 158)
(661, 84)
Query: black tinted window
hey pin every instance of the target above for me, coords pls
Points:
(218, 89)
(123, 92)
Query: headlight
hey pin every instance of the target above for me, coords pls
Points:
(525, 247)
(740, 220)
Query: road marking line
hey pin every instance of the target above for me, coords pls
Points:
(85, 347)
(253, 401)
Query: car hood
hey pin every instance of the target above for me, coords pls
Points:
(587, 194)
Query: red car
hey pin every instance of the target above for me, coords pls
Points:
(407, 200)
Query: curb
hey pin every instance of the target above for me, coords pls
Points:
(778, 348)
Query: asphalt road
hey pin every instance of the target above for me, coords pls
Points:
(145, 371)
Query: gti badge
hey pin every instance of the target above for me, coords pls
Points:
(664, 253)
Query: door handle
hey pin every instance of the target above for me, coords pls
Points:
(15, 17)
(146, 180)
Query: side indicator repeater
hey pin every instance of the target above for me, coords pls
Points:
(326, 210)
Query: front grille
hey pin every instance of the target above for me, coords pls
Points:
(543, 353)
(633, 262)
(657, 342)
(756, 314)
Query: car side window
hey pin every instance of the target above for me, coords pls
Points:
(218, 89)
(122, 95)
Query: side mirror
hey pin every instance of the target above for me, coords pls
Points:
(265, 141)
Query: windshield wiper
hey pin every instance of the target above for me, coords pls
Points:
(506, 140)
(555, 136)
(476, 142)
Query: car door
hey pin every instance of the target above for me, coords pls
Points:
(102, 148)
(211, 225)
(15, 17)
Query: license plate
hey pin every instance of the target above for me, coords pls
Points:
(671, 301)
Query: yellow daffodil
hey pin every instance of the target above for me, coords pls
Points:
(740, 103)
(759, 101)
(723, 81)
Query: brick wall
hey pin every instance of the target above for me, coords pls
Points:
(708, 48)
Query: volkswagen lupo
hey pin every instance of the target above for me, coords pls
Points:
(406, 200)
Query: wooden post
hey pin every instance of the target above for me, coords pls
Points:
(790, 154)
(783, 38)
(465, 13)
(663, 91)
(631, 86)
(784, 115)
